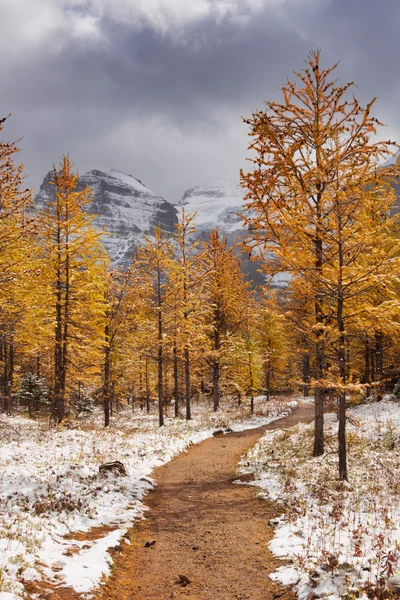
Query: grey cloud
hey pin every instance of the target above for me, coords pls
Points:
(177, 107)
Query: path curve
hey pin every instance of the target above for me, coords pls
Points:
(205, 527)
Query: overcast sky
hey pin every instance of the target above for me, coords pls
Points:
(157, 88)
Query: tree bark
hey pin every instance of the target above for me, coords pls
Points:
(187, 385)
(10, 378)
(318, 309)
(160, 357)
(58, 399)
(342, 359)
(379, 363)
(146, 374)
(342, 396)
(367, 372)
(251, 385)
(268, 369)
(216, 361)
(107, 374)
(320, 363)
(176, 380)
(306, 375)
(216, 377)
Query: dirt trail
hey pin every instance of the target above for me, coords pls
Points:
(206, 528)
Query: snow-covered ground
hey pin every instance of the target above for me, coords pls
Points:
(51, 488)
(342, 541)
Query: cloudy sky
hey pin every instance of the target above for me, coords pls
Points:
(157, 88)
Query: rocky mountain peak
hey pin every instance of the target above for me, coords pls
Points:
(123, 206)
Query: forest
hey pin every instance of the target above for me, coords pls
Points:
(182, 327)
(182, 321)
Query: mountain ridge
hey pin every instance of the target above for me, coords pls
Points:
(123, 206)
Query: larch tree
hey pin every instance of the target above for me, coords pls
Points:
(15, 241)
(153, 264)
(186, 281)
(315, 176)
(273, 340)
(247, 355)
(73, 258)
(123, 305)
(225, 293)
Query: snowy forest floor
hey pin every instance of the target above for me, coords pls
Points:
(61, 520)
(342, 540)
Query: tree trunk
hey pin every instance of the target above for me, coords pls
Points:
(319, 421)
(160, 357)
(146, 374)
(187, 384)
(342, 402)
(2, 377)
(320, 365)
(216, 363)
(379, 363)
(306, 375)
(342, 437)
(5, 375)
(107, 374)
(342, 365)
(268, 373)
(251, 385)
(10, 378)
(216, 377)
(379, 354)
(58, 398)
(176, 380)
(367, 372)
(65, 332)
(141, 388)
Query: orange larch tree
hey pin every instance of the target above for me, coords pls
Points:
(313, 197)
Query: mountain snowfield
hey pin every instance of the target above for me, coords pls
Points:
(216, 204)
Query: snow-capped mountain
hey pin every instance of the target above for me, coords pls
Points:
(129, 211)
(123, 206)
(217, 205)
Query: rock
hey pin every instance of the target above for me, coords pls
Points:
(183, 580)
(149, 544)
(115, 467)
(314, 578)
(393, 583)
(146, 480)
(276, 521)
(218, 432)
